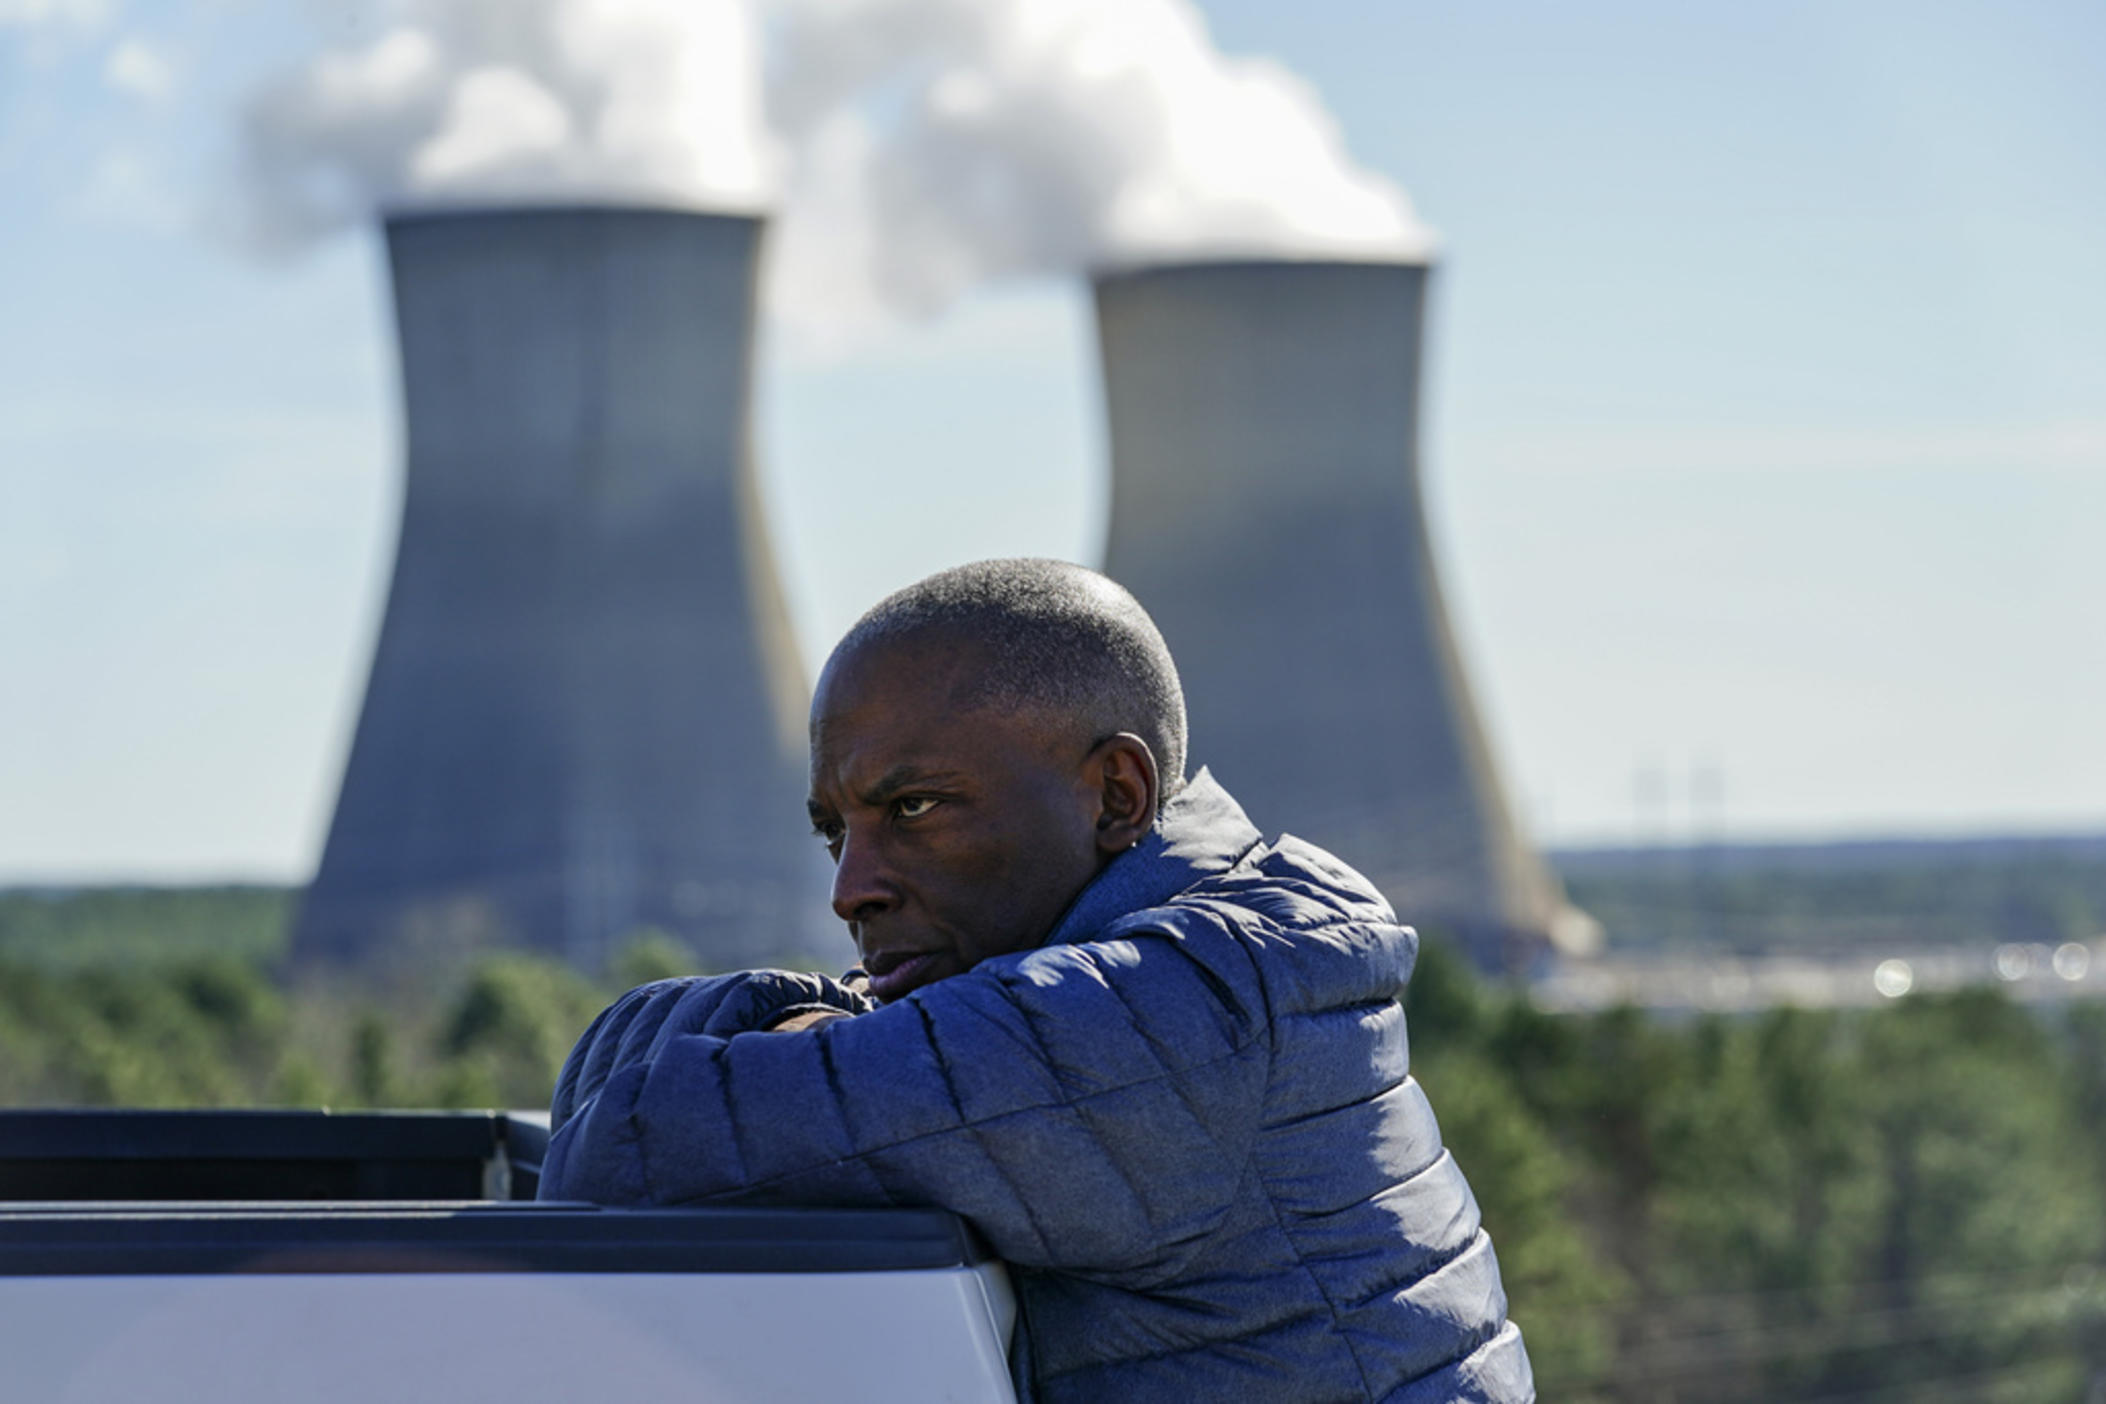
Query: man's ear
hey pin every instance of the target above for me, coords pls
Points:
(1129, 789)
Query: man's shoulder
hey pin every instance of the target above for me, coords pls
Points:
(1295, 884)
(1287, 916)
(1206, 850)
(1207, 894)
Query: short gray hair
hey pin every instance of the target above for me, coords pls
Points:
(1055, 636)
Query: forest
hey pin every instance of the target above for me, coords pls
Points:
(1905, 1202)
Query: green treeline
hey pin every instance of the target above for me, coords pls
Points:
(122, 926)
(1826, 899)
(164, 997)
(1905, 1203)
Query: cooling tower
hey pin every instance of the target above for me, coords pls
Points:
(585, 716)
(1266, 511)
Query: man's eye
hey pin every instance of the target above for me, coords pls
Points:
(827, 833)
(913, 806)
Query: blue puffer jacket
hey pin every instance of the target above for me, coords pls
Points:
(1185, 1121)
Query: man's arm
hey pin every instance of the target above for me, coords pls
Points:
(1086, 1107)
(636, 1026)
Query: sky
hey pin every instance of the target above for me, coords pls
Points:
(1765, 441)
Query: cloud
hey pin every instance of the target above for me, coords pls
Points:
(39, 34)
(79, 15)
(496, 120)
(126, 188)
(939, 145)
(913, 150)
(635, 101)
(135, 68)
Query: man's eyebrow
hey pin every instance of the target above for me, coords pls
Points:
(904, 776)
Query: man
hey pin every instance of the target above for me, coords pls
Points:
(1158, 1062)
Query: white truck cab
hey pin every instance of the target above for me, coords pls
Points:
(275, 1257)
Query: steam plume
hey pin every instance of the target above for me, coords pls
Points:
(652, 101)
(941, 144)
(915, 149)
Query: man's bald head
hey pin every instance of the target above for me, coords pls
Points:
(1049, 636)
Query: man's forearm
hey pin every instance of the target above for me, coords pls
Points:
(634, 1027)
(1061, 1109)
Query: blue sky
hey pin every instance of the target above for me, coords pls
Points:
(1766, 447)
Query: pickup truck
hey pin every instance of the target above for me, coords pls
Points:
(291, 1257)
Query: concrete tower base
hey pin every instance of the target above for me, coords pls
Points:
(1266, 511)
(585, 715)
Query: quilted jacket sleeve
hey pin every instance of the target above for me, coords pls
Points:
(1087, 1107)
(636, 1026)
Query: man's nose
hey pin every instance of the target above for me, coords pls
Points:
(863, 886)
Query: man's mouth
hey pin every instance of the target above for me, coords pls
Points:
(894, 973)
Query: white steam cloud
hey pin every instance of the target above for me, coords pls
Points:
(941, 144)
(913, 149)
(480, 101)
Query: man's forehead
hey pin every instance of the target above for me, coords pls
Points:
(906, 704)
(869, 752)
(929, 670)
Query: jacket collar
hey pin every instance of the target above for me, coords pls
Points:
(1200, 832)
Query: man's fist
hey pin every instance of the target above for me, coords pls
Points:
(636, 1027)
(798, 1020)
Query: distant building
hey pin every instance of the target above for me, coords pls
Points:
(585, 715)
(1266, 511)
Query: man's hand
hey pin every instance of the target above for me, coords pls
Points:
(801, 1019)
(635, 1027)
